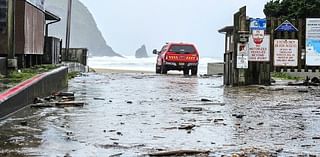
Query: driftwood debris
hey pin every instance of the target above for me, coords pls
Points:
(307, 82)
(43, 105)
(61, 104)
(192, 109)
(179, 153)
(68, 94)
(70, 104)
(186, 127)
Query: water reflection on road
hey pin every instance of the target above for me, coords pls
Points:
(135, 114)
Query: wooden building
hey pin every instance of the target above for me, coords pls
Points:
(30, 24)
(229, 50)
(254, 72)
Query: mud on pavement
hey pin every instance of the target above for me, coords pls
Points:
(146, 114)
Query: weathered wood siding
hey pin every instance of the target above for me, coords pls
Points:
(29, 27)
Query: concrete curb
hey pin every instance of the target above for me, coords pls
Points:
(24, 93)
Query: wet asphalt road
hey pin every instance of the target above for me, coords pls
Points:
(137, 114)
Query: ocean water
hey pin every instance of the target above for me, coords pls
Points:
(143, 64)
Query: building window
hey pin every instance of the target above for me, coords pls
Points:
(3, 15)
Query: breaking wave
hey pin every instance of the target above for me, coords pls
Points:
(139, 64)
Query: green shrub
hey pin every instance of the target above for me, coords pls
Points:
(282, 75)
(72, 75)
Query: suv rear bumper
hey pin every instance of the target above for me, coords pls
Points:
(179, 66)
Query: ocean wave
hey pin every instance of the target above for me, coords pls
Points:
(143, 64)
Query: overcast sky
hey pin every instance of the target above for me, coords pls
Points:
(127, 24)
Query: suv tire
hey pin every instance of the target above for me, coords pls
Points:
(163, 69)
(194, 71)
(186, 71)
(158, 69)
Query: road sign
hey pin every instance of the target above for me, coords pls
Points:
(258, 24)
(286, 26)
(259, 49)
(242, 57)
(286, 52)
(242, 62)
(313, 42)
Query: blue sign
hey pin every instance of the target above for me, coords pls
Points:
(286, 26)
(258, 24)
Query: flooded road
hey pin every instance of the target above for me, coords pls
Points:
(139, 114)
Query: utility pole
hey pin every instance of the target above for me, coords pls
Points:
(68, 29)
(11, 60)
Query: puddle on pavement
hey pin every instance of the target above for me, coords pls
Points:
(137, 114)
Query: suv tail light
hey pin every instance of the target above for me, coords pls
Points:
(173, 57)
(186, 58)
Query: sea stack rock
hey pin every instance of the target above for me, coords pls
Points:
(142, 52)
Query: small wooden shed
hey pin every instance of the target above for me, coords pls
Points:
(30, 23)
(229, 49)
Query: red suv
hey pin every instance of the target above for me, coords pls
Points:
(177, 56)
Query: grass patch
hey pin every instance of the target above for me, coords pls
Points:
(285, 76)
(17, 76)
(73, 74)
(44, 68)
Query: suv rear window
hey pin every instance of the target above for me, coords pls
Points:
(182, 49)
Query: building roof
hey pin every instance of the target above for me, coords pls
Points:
(226, 29)
(50, 16)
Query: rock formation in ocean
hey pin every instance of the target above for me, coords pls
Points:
(84, 30)
(142, 52)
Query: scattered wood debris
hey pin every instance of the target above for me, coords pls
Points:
(62, 99)
(192, 109)
(179, 153)
(187, 127)
(70, 104)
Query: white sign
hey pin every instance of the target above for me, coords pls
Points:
(243, 49)
(38, 3)
(286, 52)
(259, 46)
(313, 42)
(242, 58)
(242, 62)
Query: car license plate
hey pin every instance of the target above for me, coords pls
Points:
(182, 64)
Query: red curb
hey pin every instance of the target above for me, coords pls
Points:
(12, 91)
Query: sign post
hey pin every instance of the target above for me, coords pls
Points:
(259, 52)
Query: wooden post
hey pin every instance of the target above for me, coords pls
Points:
(240, 25)
(226, 62)
(68, 31)
(12, 62)
(235, 71)
(242, 28)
